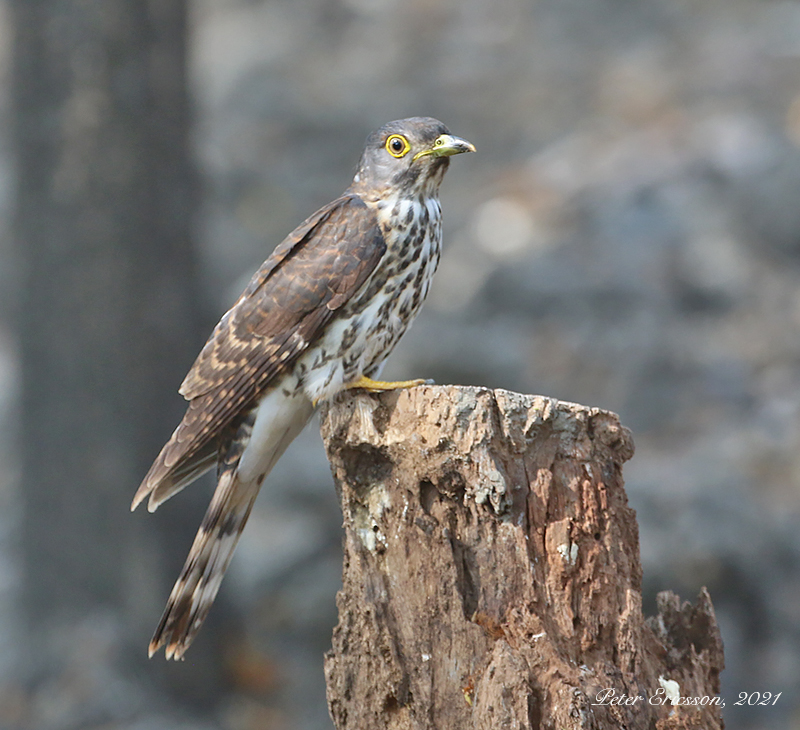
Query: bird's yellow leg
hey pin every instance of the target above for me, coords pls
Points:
(376, 386)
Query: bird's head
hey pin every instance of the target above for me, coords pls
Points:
(409, 156)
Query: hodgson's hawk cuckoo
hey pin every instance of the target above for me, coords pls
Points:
(321, 314)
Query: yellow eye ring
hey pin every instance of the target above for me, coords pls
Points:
(397, 145)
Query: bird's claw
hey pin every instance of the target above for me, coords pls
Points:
(378, 386)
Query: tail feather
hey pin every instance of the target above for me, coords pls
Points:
(196, 588)
(244, 458)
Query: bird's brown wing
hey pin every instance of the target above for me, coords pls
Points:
(284, 309)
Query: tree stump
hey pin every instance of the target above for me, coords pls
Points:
(492, 576)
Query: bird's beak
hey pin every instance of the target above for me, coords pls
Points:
(447, 145)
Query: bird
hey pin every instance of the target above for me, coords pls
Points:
(320, 316)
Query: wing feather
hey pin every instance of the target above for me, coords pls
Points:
(284, 309)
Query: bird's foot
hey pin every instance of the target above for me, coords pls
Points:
(376, 386)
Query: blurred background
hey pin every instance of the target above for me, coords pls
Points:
(628, 237)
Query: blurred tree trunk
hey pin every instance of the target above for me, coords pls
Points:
(492, 575)
(108, 312)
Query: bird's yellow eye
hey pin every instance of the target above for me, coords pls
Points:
(397, 145)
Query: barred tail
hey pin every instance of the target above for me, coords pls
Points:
(200, 579)
(261, 438)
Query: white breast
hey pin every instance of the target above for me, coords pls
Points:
(358, 341)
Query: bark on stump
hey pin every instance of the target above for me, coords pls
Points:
(492, 575)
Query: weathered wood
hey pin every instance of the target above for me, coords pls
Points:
(491, 571)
